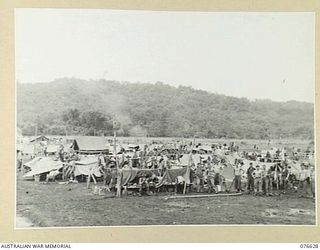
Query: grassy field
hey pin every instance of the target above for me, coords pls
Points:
(243, 143)
(73, 205)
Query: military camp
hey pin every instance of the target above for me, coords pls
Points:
(195, 174)
(164, 118)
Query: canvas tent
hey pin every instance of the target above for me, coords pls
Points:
(41, 165)
(89, 145)
(28, 149)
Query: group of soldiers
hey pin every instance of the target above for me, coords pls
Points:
(208, 175)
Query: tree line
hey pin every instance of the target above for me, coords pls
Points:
(97, 107)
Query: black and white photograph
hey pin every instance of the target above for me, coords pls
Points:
(164, 118)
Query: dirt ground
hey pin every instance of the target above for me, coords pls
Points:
(73, 205)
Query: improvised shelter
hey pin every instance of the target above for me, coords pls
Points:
(89, 145)
(87, 165)
(128, 175)
(171, 175)
(41, 165)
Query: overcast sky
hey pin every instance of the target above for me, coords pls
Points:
(253, 55)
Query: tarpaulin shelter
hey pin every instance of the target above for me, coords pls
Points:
(89, 145)
(228, 174)
(171, 175)
(296, 167)
(29, 149)
(184, 160)
(87, 166)
(128, 175)
(40, 165)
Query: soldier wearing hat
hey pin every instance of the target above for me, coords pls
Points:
(257, 175)
(238, 171)
(250, 170)
(304, 178)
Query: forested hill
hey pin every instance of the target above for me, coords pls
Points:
(90, 107)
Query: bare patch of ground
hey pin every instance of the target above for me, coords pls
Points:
(54, 205)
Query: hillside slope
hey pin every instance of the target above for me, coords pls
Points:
(90, 107)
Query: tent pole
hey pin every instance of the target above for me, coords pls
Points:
(114, 143)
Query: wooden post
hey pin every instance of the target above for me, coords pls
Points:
(114, 143)
(94, 179)
(119, 180)
(276, 177)
(88, 181)
(118, 184)
(187, 173)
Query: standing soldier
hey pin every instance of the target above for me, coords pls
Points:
(265, 180)
(162, 166)
(135, 160)
(210, 179)
(312, 181)
(285, 177)
(250, 185)
(238, 171)
(257, 174)
(119, 176)
(304, 179)
(217, 177)
(101, 161)
(61, 153)
(199, 177)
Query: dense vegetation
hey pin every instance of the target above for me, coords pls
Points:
(76, 106)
